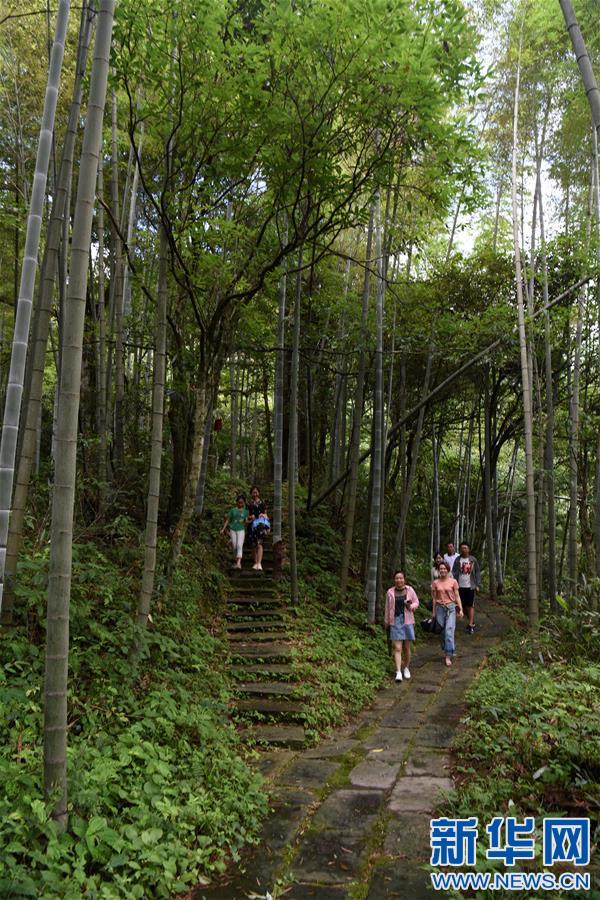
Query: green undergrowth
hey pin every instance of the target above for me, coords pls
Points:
(530, 742)
(159, 793)
(340, 662)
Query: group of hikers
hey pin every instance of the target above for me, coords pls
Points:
(247, 520)
(455, 580)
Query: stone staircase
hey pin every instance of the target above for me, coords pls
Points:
(260, 650)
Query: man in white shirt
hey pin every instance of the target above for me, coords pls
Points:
(450, 556)
(466, 571)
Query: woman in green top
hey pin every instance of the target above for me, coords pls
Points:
(236, 520)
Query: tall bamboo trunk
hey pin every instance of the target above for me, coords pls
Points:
(596, 175)
(208, 428)
(16, 377)
(573, 550)
(412, 470)
(487, 479)
(354, 450)
(434, 543)
(59, 586)
(101, 374)
(158, 396)
(549, 438)
(532, 588)
(131, 224)
(293, 438)
(583, 61)
(278, 423)
(233, 385)
(117, 296)
(41, 326)
(376, 507)
(593, 95)
(508, 503)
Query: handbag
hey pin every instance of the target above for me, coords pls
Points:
(431, 626)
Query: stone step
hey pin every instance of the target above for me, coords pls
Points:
(257, 636)
(266, 669)
(244, 586)
(249, 615)
(256, 625)
(254, 590)
(261, 651)
(249, 575)
(291, 736)
(279, 688)
(250, 601)
(285, 707)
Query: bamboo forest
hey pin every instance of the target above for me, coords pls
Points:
(300, 449)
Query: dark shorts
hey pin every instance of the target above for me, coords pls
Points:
(467, 597)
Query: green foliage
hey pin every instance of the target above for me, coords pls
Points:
(530, 740)
(159, 791)
(342, 663)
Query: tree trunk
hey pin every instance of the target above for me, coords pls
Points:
(410, 478)
(435, 503)
(268, 435)
(532, 588)
(293, 437)
(596, 174)
(16, 377)
(131, 224)
(583, 61)
(376, 507)
(117, 299)
(278, 423)
(41, 326)
(59, 586)
(193, 474)
(278, 426)
(233, 378)
(354, 449)
(487, 481)
(158, 395)
(549, 442)
(573, 550)
(208, 429)
(101, 384)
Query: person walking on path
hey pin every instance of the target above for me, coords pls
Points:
(446, 601)
(256, 509)
(236, 520)
(451, 556)
(468, 574)
(435, 569)
(400, 603)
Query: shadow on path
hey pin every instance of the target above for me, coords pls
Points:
(351, 816)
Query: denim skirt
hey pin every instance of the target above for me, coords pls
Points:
(400, 631)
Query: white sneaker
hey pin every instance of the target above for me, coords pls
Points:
(398, 675)
(406, 672)
(255, 566)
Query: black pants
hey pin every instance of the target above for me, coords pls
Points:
(467, 597)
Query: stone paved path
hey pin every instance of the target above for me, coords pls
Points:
(351, 816)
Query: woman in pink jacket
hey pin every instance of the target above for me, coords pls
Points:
(400, 602)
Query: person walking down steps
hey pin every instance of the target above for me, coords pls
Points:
(400, 603)
(256, 510)
(236, 521)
